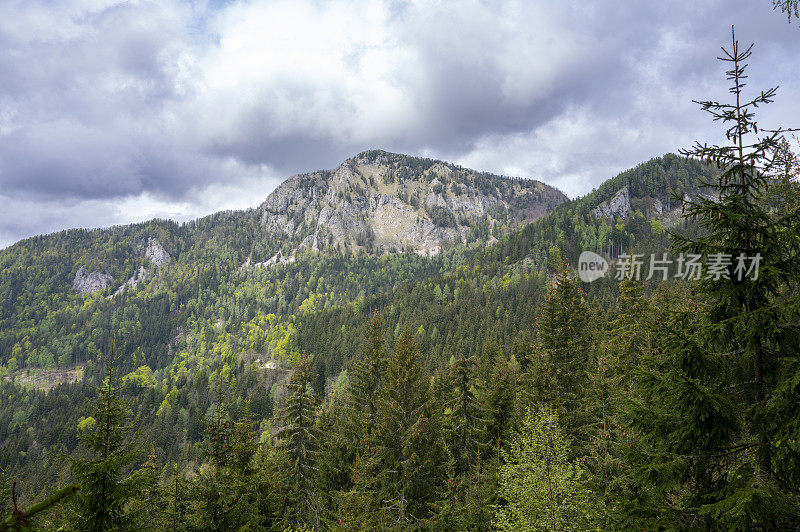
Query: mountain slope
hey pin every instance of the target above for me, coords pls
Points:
(197, 315)
(493, 299)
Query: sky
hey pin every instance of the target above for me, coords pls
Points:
(115, 112)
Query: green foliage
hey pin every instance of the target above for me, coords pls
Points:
(104, 476)
(566, 344)
(542, 488)
(441, 216)
(378, 428)
(406, 470)
(299, 438)
(745, 322)
(465, 424)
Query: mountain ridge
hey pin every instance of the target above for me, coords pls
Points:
(381, 201)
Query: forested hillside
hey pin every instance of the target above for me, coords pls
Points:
(218, 359)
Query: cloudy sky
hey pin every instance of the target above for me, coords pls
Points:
(112, 112)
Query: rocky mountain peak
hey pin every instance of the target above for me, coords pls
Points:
(380, 201)
(618, 205)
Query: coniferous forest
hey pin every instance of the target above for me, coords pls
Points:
(486, 387)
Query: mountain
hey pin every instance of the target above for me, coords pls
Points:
(379, 201)
(214, 352)
(493, 299)
(188, 312)
(375, 202)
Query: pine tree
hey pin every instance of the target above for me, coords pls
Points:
(222, 495)
(682, 427)
(409, 457)
(175, 496)
(300, 440)
(611, 384)
(500, 402)
(466, 422)
(367, 374)
(565, 339)
(746, 321)
(470, 485)
(106, 483)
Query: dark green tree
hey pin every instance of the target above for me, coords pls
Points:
(222, 493)
(470, 484)
(365, 384)
(409, 459)
(565, 340)
(104, 471)
(465, 423)
(747, 324)
(299, 438)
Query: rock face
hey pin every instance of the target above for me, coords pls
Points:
(379, 201)
(618, 205)
(86, 283)
(156, 253)
(134, 280)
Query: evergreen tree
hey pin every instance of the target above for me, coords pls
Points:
(683, 427)
(365, 385)
(565, 339)
(13, 518)
(611, 385)
(222, 497)
(500, 402)
(790, 7)
(147, 506)
(470, 485)
(299, 438)
(466, 422)
(175, 495)
(746, 322)
(104, 476)
(409, 456)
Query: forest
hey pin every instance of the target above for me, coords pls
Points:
(483, 388)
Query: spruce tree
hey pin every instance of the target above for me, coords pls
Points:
(367, 376)
(175, 495)
(299, 438)
(611, 382)
(783, 194)
(500, 402)
(470, 485)
(682, 427)
(222, 497)
(409, 460)
(746, 324)
(466, 421)
(104, 472)
(565, 343)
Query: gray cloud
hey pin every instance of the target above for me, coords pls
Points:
(156, 104)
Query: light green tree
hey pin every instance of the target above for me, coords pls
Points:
(542, 488)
